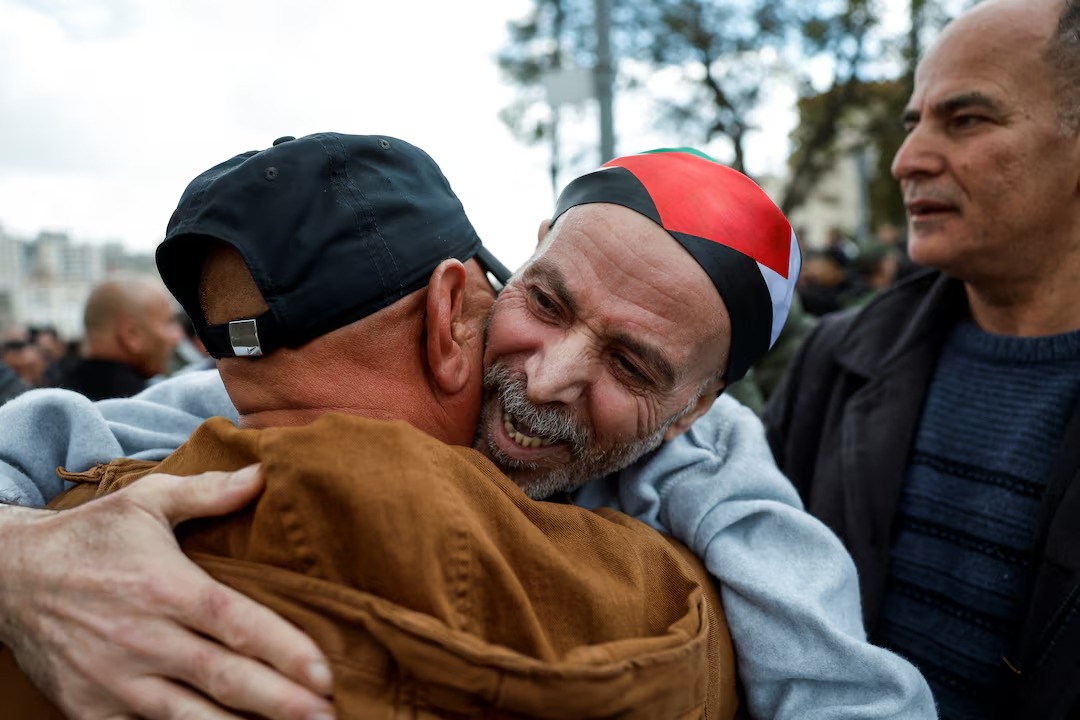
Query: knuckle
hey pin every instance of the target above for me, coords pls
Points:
(222, 679)
(215, 605)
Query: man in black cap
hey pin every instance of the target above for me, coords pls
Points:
(613, 337)
(343, 269)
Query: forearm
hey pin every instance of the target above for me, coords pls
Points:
(789, 587)
(46, 429)
(97, 600)
(15, 565)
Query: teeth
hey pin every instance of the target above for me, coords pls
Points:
(520, 438)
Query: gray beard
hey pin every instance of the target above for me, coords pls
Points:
(555, 423)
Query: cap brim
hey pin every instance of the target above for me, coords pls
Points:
(492, 266)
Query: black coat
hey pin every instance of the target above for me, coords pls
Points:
(841, 426)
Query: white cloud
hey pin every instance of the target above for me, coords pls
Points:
(107, 109)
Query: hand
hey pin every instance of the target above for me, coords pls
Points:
(111, 620)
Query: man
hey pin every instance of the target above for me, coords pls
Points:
(19, 352)
(937, 431)
(653, 351)
(130, 333)
(459, 603)
(10, 383)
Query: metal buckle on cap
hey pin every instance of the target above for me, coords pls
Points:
(244, 338)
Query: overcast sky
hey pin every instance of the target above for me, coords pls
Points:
(109, 107)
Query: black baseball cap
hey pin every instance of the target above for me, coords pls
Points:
(332, 228)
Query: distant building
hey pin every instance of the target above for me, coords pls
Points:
(840, 198)
(852, 189)
(45, 281)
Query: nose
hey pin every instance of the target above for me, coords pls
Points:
(559, 371)
(918, 155)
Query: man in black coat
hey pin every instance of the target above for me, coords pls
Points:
(131, 332)
(937, 430)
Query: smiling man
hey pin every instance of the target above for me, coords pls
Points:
(435, 586)
(607, 343)
(594, 355)
(937, 431)
(662, 278)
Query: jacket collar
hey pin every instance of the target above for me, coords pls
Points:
(922, 307)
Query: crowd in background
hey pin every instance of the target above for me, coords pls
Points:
(845, 274)
(132, 335)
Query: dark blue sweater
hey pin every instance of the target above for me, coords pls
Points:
(992, 424)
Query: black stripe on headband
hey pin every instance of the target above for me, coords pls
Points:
(614, 185)
(739, 282)
(735, 276)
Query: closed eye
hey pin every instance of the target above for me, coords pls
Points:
(543, 304)
(630, 370)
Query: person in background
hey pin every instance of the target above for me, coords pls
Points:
(190, 353)
(937, 430)
(57, 353)
(891, 239)
(130, 333)
(23, 357)
(11, 385)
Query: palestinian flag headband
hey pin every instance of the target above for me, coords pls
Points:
(724, 220)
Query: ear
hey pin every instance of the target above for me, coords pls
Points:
(708, 397)
(542, 231)
(129, 334)
(446, 352)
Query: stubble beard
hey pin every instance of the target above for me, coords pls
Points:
(553, 422)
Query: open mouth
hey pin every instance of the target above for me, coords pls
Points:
(521, 434)
(926, 209)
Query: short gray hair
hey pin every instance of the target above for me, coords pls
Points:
(1063, 56)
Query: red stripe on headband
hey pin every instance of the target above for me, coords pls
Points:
(699, 197)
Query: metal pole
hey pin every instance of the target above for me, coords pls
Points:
(604, 78)
(555, 159)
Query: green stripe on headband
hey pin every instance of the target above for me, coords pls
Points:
(689, 150)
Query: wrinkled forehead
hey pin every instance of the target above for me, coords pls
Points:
(992, 38)
(630, 277)
(605, 239)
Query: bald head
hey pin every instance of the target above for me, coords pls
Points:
(418, 359)
(1051, 26)
(131, 321)
(115, 298)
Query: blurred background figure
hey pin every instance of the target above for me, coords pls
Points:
(59, 355)
(23, 357)
(10, 384)
(190, 354)
(890, 237)
(875, 269)
(48, 342)
(841, 246)
(826, 281)
(130, 334)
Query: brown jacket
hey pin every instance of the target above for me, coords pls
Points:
(438, 589)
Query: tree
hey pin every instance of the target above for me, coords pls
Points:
(719, 44)
(726, 55)
(846, 37)
(726, 51)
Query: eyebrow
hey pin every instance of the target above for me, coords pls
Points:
(550, 275)
(954, 103)
(655, 358)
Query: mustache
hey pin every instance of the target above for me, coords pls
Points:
(555, 423)
(914, 191)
